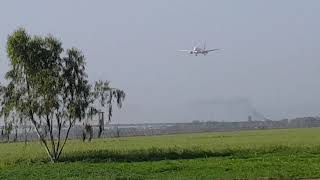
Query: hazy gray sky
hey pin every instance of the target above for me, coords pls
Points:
(270, 51)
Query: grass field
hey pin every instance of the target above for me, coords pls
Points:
(283, 153)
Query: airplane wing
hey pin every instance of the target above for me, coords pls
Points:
(185, 50)
(209, 50)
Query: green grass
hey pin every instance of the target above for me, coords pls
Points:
(285, 153)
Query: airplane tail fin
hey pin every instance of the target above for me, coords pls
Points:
(196, 44)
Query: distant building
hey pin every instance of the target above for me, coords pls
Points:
(305, 122)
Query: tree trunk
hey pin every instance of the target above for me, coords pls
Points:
(42, 140)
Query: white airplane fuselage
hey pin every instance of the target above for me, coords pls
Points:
(197, 51)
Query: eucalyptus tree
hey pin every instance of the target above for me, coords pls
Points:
(103, 97)
(48, 87)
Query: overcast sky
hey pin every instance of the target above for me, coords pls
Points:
(270, 51)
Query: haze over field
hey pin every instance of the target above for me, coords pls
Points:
(269, 62)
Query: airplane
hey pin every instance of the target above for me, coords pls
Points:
(197, 50)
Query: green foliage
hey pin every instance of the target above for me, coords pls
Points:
(47, 88)
(104, 95)
(267, 167)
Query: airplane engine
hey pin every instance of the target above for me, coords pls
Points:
(191, 52)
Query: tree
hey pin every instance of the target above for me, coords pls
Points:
(47, 88)
(103, 96)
